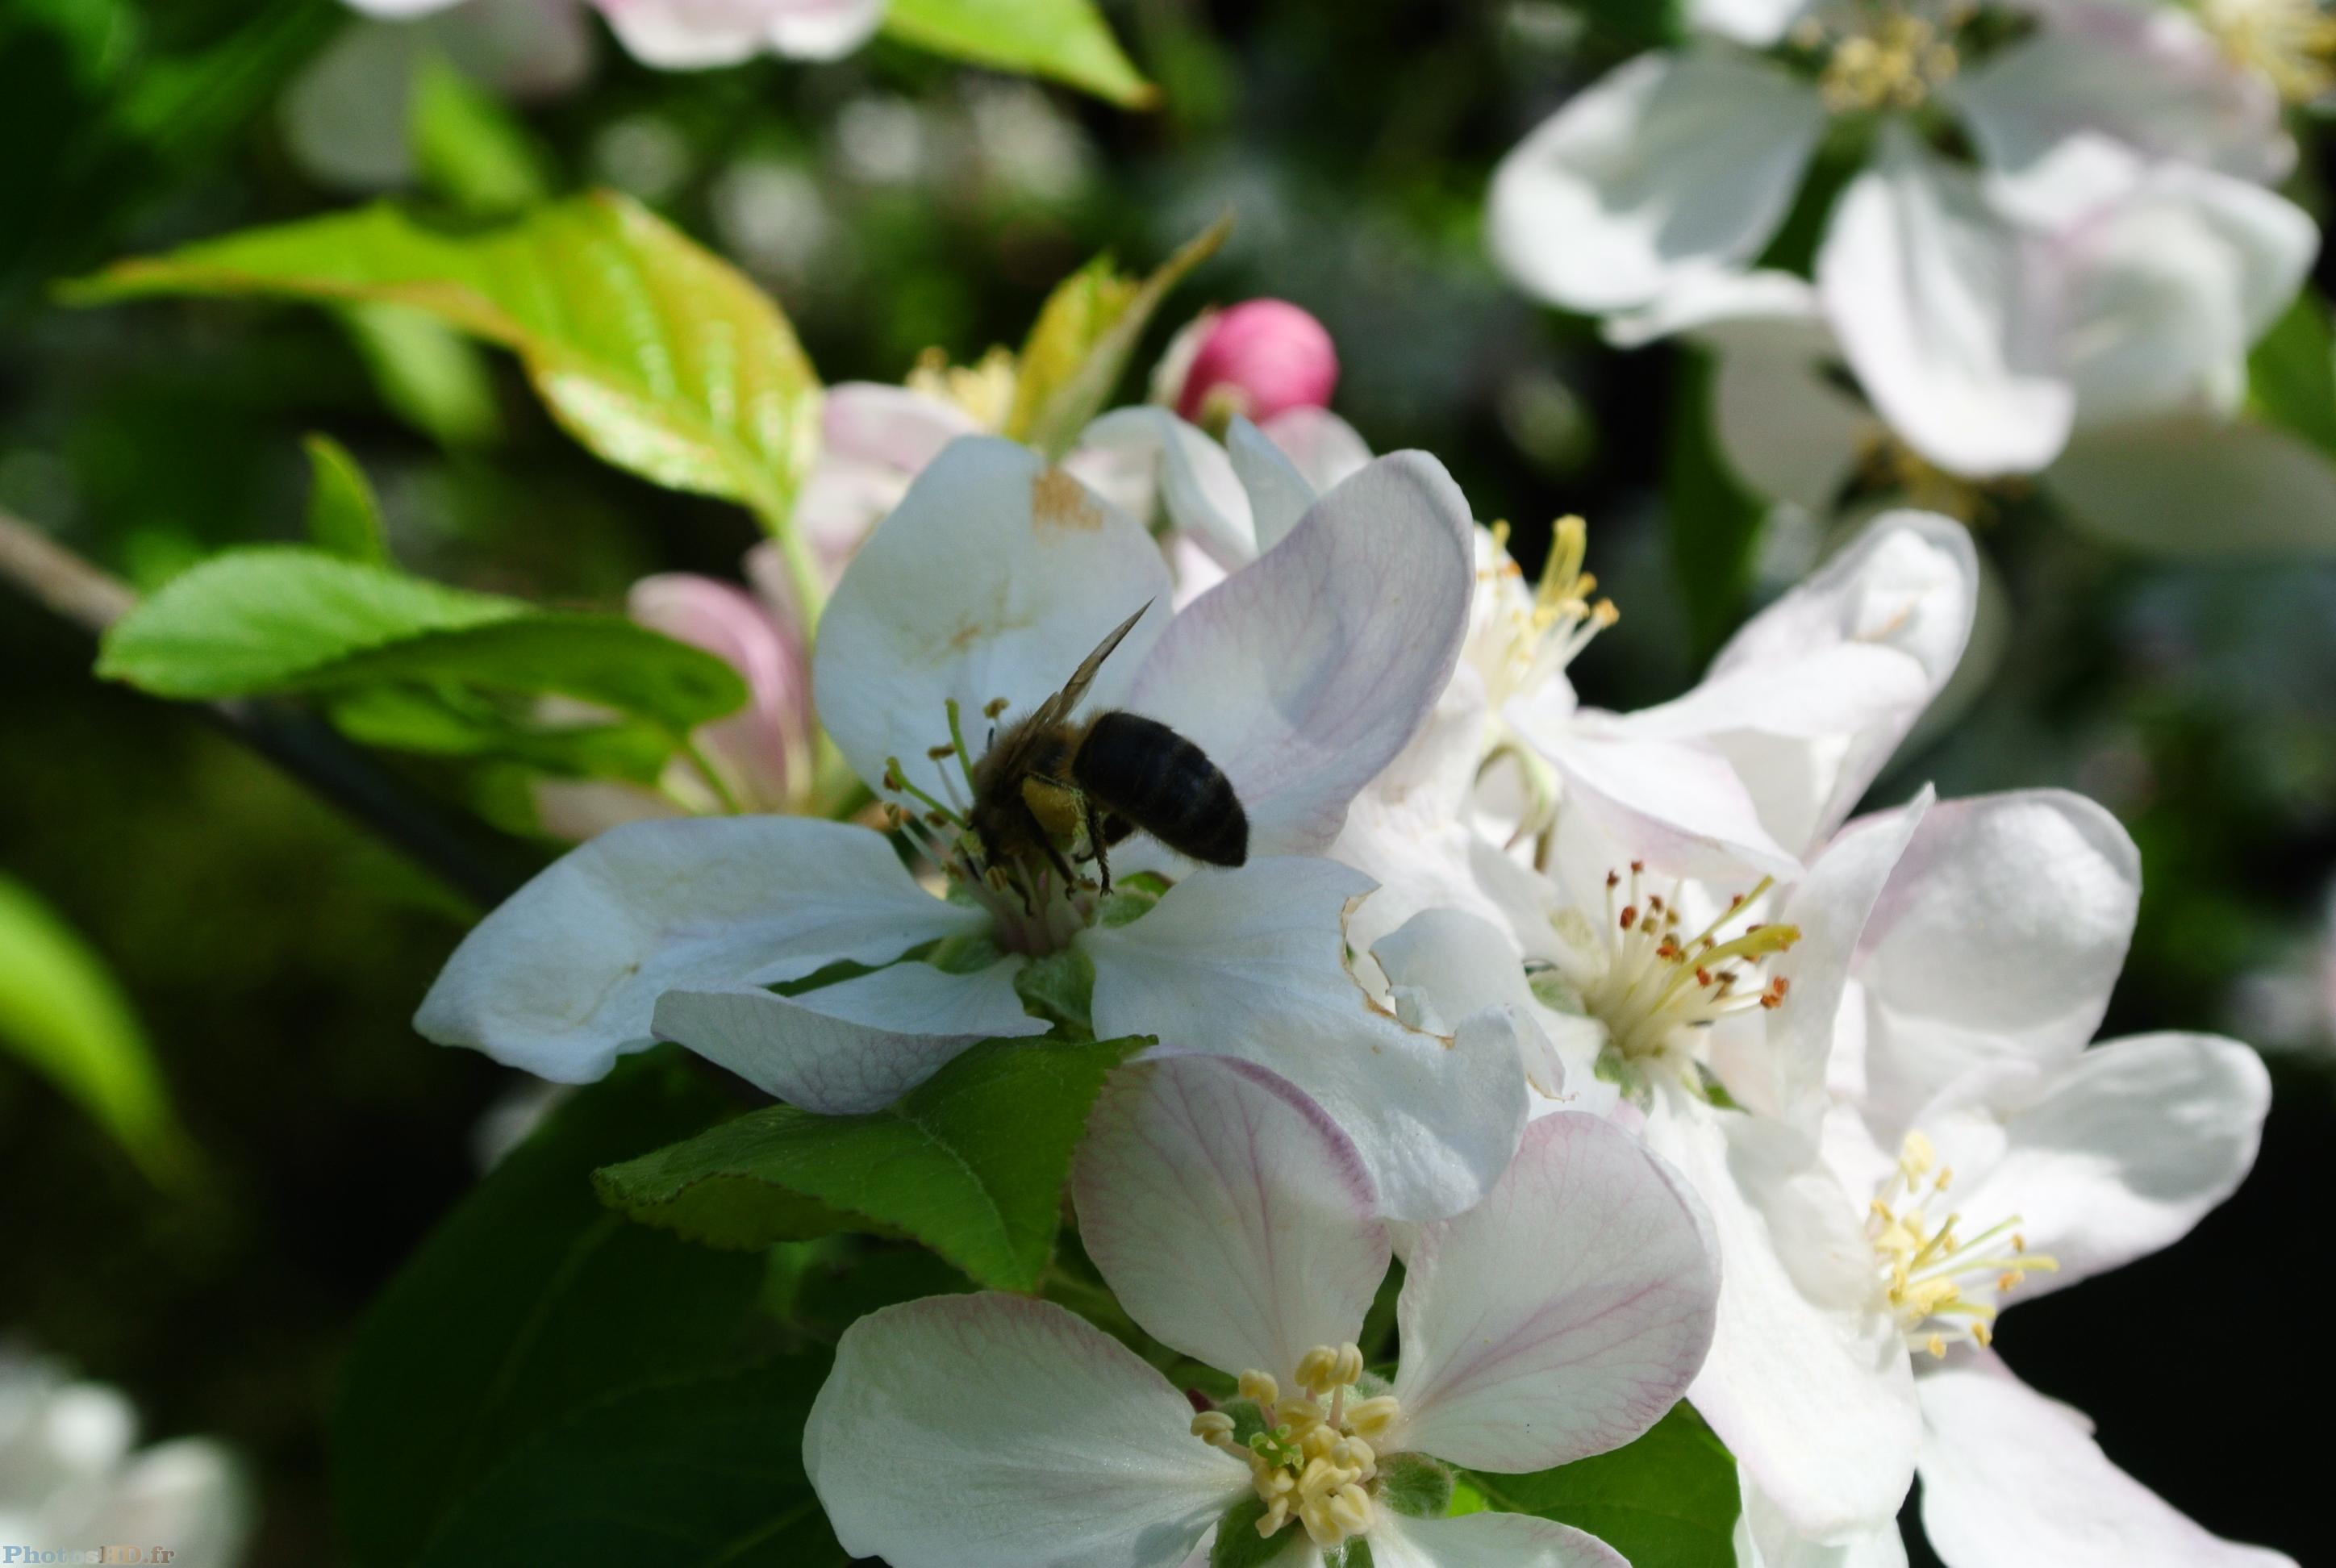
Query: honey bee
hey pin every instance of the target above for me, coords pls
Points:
(1048, 782)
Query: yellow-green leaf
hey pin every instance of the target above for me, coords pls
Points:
(655, 353)
(1068, 40)
(343, 516)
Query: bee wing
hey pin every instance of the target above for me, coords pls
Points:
(1055, 707)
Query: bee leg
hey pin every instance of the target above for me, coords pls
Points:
(1062, 866)
(1095, 841)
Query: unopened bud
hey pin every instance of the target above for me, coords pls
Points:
(1257, 359)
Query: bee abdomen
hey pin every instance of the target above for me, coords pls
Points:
(1164, 784)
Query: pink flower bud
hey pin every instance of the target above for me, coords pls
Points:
(762, 749)
(1258, 359)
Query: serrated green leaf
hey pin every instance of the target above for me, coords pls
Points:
(275, 618)
(63, 1015)
(343, 518)
(1087, 331)
(1068, 40)
(2292, 373)
(653, 352)
(700, 1472)
(972, 1163)
(1669, 1500)
(529, 1306)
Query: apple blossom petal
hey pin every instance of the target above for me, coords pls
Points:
(1229, 1214)
(398, 8)
(1444, 965)
(1251, 963)
(2147, 75)
(2122, 1153)
(1486, 1540)
(2192, 485)
(1765, 1538)
(1303, 675)
(1670, 164)
(1203, 495)
(760, 742)
(1773, 1063)
(1681, 805)
(1996, 942)
(189, 1492)
(1808, 1381)
(1278, 494)
(852, 1048)
(1325, 449)
(1563, 1316)
(994, 577)
(898, 426)
(1786, 429)
(1936, 300)
(823, 29)
(561, 978)
(2009, 1482)
(689, 35)
(1811, 697)
(991, 1431)
(1755, 24)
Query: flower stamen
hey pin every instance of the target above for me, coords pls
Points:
(1928, 1271)
(1312, 1458)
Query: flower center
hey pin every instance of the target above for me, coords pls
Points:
(985, 390)
(2292, 42)
(1311, 1456)
(1035, 907)
(1940, 1284)
(1879, 55)
(1654, 986)
(1529, 641)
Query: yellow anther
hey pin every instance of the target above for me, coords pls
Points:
(1314, 1369)
(1300, 1415)
(1260, 1386)
(1276, 1514)
(2292, 42)
(1213, 1428)
(1371, 1418)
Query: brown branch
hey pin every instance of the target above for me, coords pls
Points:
(483, 865)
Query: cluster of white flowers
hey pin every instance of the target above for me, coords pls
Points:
(1661, 1076)
(687, 34)
(2052, 244)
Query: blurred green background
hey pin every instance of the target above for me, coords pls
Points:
(891, 202)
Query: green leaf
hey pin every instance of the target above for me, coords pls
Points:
(343, 518)
(1669, 1500)
(1715, 522)
(447, 722)
(280, 619)
(692, 1474)
(653, 352)
(528, 1307)
(61, 1012)
(1415, 1484)
(430, 376)
(2292, 373)
(1068, 40)
(1079, 346)
(467, 146)
(1060, 989)
(971, 1163)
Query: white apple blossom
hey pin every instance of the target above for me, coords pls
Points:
(73, 1480)
(688, 34)
(1933, 1137)
(1677, 169)
(2161, 295)
(1299, 675)
(1237, 1225)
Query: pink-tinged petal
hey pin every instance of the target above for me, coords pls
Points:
(1808, 1381)
(990, 1431)
(1996, 942)
(1563, 1316)
(874, 422)
(2009, 1482)
(1670, 165)
(1228, 1212)
(1812, 697)
(1324, 448)
(1203, 497)
(1484, 1540)
(2193, 485)
(562, 978)
(1303, 675)
(821, 29)
(1936, 302)
(1280, 494)
(1251, 963)
(1773, 1063)
(995, 577)
(2120, 1152)
(852, 1048)
(2147, 75)
(761, 745)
